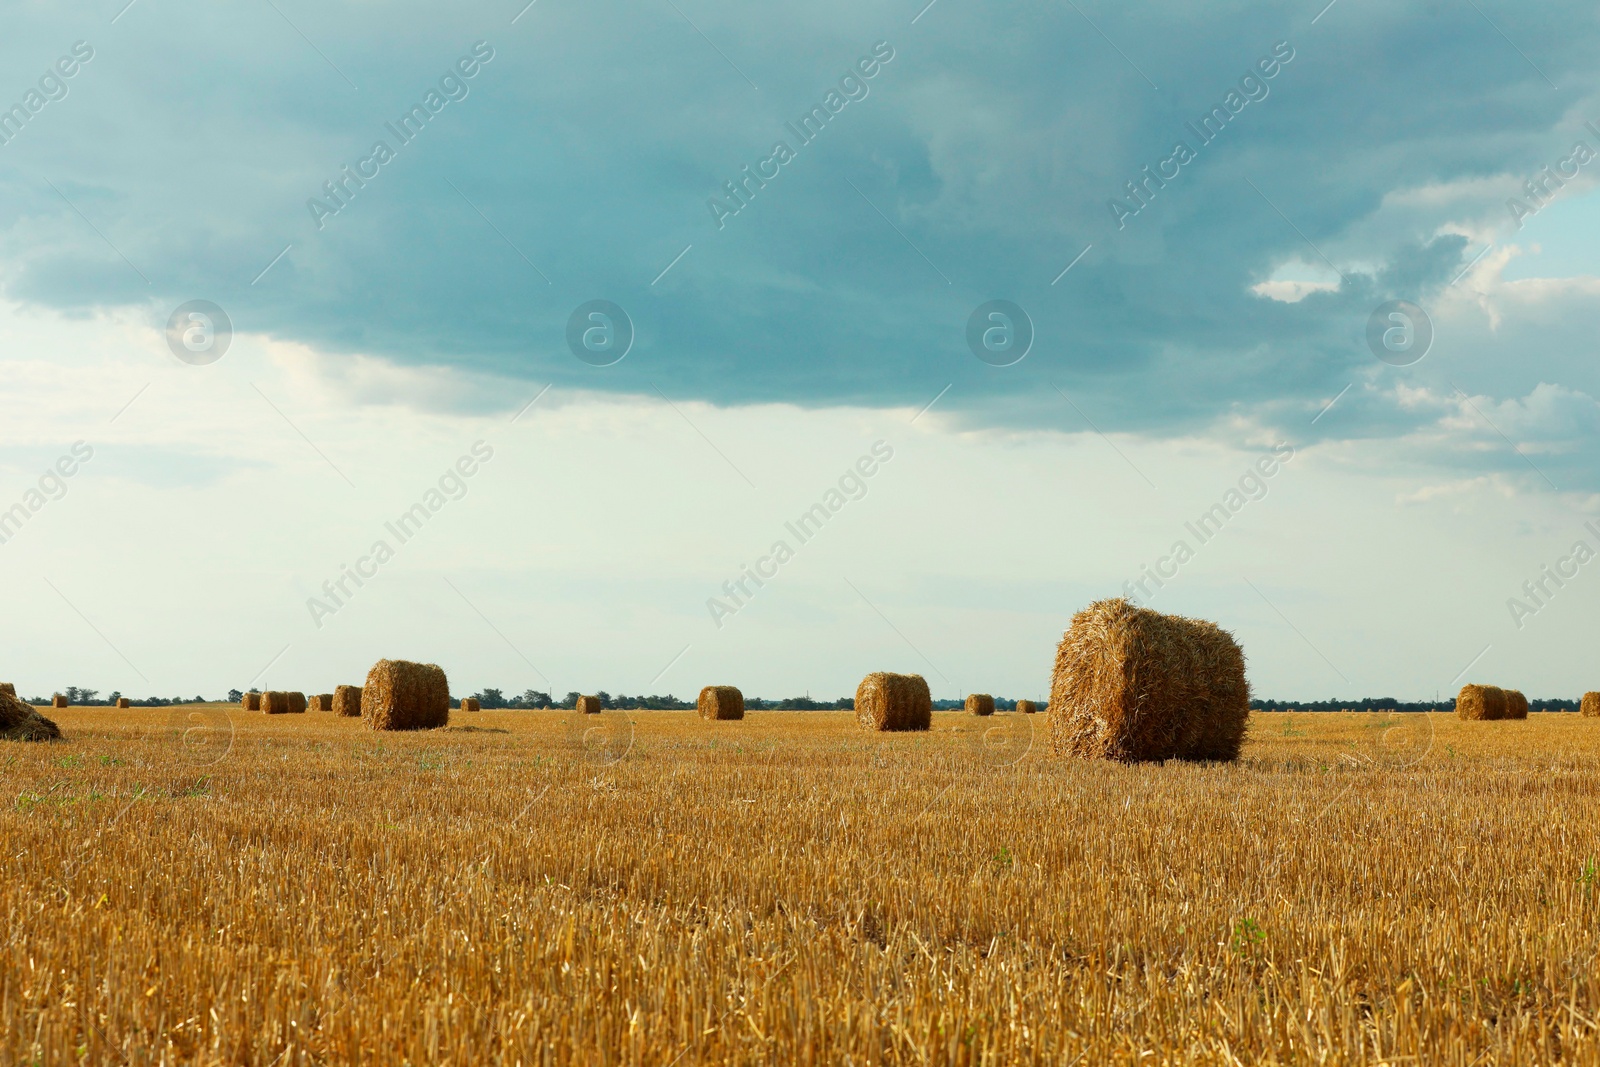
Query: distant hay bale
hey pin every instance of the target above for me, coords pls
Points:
(297, 704)
(1516, 704)
(1132, 684)
(19, 722)
(58, 701)
(894, 702)
(347, 701)
(980, 704)
(322, 702)
(1481, 702)
(250, 702)
(124, 702)
(274, 702)
(1027, 707)
(401, 695)
(1589, 705)
(470, 704)
(721, 702)
(588, 705)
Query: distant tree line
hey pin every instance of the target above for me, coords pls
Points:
(1000, 704)
(535, 698)
(79, 697)
(488, 699)
(1391, 704)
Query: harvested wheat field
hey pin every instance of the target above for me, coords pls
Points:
(229, 888)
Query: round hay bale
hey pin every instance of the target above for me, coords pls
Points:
(721, 702)
(322, 702)
(1590, 705)
(251, 702)
(124, 702)
(894, 702)
(58, 701)
(1132, 684)
(19, 722)
(401, 695)
(1481, 703)
(470, 704)
(588, 705)
(274, 702)
(297, 703)
(980, 704)
(347, 701)
(1516, 704)
(1027, 707)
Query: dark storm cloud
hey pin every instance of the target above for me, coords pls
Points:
(581, 155)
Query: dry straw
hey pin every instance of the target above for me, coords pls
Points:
(721, 702)
(1132, 684)
(1027, 707)
(8, 689)
(297, 704)
(19, 722)
(894, 702)
(124, 702)
(1516, 704)
(470, 704)
(347, 701)
(980, 704)
(1481, 702)
(58, 701)
(1590, 705)
(274, 702)
(588, 705)
(250, 702)
(400, 695)
(322, 702)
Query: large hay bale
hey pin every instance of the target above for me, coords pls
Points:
(470, 704)
(19, 722)
(124, 702)
(1481, 702)
(401, 695)
(1132, 684)
(1027, 707)
(721, 702)
(297, 704)
(894, 702)
(347, 701)
(8, 689)
(980, 704)
(1516, 704)
(274, 702)
(588, 705)
(322, 702)
(250, 702)
(1589, 705)
(58, 701)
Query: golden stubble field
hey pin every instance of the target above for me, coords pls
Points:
(789, 889)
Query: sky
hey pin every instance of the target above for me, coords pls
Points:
(1008, 298)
